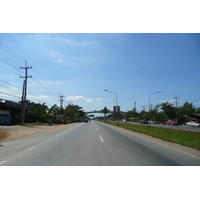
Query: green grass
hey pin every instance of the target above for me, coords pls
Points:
(185, 138)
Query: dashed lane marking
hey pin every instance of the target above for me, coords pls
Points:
(3, 162)
(32, 147)
(101, 138)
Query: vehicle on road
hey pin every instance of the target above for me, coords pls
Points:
(143, 122)
(193, 124)
(172, 123)
(86, 120)
(151, 122)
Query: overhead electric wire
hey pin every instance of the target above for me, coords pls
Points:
(10, 60)
(50, 86)
(9, 70)
(44, 87)
(15, 55)
(10, 63)
(10, 95)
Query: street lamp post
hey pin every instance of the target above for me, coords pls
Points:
(149, 103)
(116, 103)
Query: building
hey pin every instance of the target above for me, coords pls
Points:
(10, 112)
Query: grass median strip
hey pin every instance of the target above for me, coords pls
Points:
(185, 138)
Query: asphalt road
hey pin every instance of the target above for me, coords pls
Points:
(94, 144)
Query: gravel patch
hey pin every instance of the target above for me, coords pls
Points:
(17, 132)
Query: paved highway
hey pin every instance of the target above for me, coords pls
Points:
(94, 144)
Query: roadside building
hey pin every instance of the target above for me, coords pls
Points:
(10, 112)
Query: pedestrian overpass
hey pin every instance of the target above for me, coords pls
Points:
(103, 112)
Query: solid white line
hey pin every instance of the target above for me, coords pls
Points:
(101, 138)
(3, 162)
(32, 147)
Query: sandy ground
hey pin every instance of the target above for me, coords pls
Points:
(16, 132)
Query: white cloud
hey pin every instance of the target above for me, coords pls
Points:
(53, 54)
(10, 92)
(99, 99)
(75, 98)
(59, 61)
(37, 97)
(76, 43)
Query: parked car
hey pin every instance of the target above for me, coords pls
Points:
(151, 122)
(172, 123)
(143, 122)
(193, 124)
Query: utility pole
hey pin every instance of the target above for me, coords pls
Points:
(24, 92)
(61, 100)
(176, 102)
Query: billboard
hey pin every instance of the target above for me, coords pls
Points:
(116, 112)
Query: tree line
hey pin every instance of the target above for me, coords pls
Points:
(165, 111)
(38, 112)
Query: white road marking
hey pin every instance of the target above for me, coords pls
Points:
(67, 130)
(3, 162)
(32, 147)
(96, 129)
(101, 138)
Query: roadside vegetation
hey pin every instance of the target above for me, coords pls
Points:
(3, 135)
(161, 113)
(41, 113)
(182, 137)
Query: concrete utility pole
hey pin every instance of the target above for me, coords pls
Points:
(24, 92)
(61, 100)
(176, 102)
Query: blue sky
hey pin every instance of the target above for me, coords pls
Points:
(81, 66)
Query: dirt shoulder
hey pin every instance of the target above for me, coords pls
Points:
(8, 133)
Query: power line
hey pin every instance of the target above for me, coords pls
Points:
(13, 53)
(10, 64)
(10, 95)
(43, 86)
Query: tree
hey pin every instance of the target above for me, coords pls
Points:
(73, 112)
(169, 110)
(197, 111)
(38, 112)
(55, 110)
(187, 109)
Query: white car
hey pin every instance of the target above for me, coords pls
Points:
(193, 124)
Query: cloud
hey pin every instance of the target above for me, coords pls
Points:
(10, 92)
(59, 61)
(99, 99)
(76, 98)
(76, 43)
(53, 54)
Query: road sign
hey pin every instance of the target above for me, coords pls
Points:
(90, 115)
